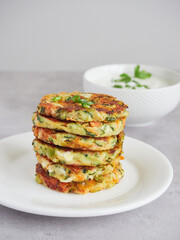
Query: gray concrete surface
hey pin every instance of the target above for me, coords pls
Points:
(19, 95)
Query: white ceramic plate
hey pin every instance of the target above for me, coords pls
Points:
(148, 174)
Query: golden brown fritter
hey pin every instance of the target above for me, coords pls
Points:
(82, 107)
(78, 157)
(92, 129)
(106, 181)
(63, 139)
(73, 173)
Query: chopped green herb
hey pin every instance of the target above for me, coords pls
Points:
(58, 110)
(88, 113)
(84, 105)
(52, 173)
(98, 144)
(141, 74)
(39, 119)
(108, 160)
(135, 81)
(66, 177)
(110, 119)
(69, 137)
(85, 139)
(68, 99)
(124, 78)
(76, 98)
(102, 132)
(69, 171)
(86, 155)
(42, 109)
(84, 102)
(56, 99)
(84, 170)
(145, 86)
(117, 86)
(91, 174)
(124, 75)
(51, 139)
(90, 134)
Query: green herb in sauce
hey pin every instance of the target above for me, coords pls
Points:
(125, 78)
(141, 74)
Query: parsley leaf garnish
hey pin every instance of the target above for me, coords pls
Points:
(118, 86)
(124, 78)
(141, 74)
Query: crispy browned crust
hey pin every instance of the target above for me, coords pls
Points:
(75, 187)
(102, 103)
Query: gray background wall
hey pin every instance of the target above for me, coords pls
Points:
(79, 34)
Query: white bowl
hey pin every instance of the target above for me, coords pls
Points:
(145, 105)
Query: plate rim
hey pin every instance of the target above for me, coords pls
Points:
(95, 211)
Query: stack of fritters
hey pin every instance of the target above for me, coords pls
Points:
(78, 142)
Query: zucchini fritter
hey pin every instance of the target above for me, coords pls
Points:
(105, 181)
(79, 140)
(91, 129)
(63, 139)
(78, 157)
(72, 173)
(82, 107)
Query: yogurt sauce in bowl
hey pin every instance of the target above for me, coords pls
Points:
(152, 82)
(104, 77)
(146, 105)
